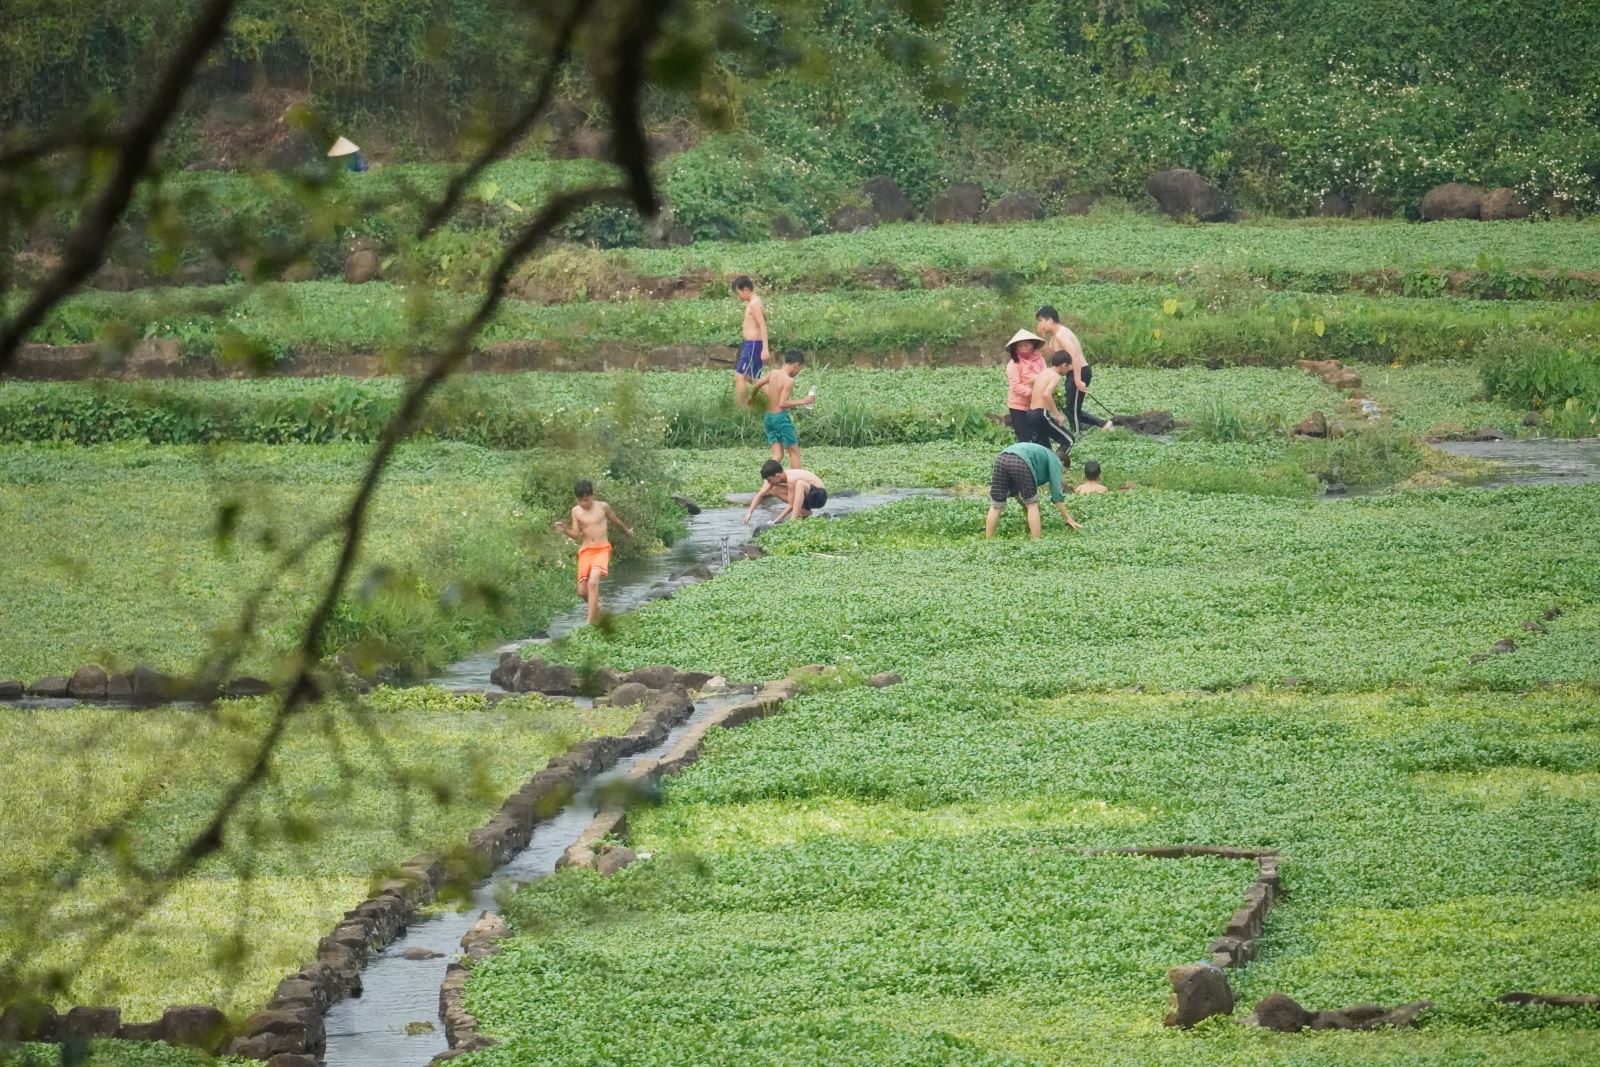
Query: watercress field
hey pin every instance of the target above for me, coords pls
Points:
(1223, 656)
(888, 875)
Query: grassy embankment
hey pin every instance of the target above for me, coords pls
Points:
(117, 558)
(345, 800)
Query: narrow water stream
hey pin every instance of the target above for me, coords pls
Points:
(1533, 460)
(711, 534)
(370, 1030)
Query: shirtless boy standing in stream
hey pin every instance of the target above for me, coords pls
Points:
(779, 386)
(589, 529)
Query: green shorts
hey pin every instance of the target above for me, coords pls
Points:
(780, 429)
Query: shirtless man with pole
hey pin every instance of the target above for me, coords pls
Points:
(1060, 339)
(589, 528)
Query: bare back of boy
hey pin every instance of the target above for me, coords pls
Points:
(1044, 391)
(754, 319)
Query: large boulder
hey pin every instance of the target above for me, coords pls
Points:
(888, 202)
(54, 685)
(962, 202)
(89, 1022)
(11, 689)
(28, 1021)
(362, 267)
(534, 676)
(1281, 1012)
(1452, 200)
(88, 682)
(851, 218)
(149, 684)
(196, 1025)
(614, 859)
(1184, 194)
(1199, 991)
(1015, 207)
(1501, 204)
(655, 676)
(628, 694)
(1313, 425)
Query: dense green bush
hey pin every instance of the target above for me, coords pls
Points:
(1564, 383)
(1279, 101)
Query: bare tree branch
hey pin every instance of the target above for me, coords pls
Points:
(86, 247)
(519, 126)
(622, 77)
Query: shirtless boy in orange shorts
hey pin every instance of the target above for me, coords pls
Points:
(589, 529)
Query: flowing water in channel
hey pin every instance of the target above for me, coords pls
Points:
(1533, 461)
(370, 1030)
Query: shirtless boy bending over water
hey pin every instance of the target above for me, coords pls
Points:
(747, 368)
(779, 386)
(589, 529)
(802, 491)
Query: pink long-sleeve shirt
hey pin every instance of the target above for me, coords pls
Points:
(1020, 373)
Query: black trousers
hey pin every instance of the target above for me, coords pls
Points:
(1044, 430)
(1078, 415)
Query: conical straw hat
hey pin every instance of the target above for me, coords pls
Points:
(1023, 335)
(343, 147)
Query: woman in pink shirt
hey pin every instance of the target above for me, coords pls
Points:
(1022, 368)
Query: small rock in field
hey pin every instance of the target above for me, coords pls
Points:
(1313, 425)
(1280, 1012)
(1199, 991)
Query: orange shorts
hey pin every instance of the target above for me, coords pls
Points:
(592, 558)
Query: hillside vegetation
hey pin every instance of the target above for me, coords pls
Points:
(1278, 101)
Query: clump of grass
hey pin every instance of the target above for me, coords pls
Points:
(1279, 480)
(1223, 423)
(1369, 456)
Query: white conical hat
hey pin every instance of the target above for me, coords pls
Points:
(343, 147)
(1023, 335)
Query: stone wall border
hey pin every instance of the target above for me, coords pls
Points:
(291, 1024)
(461, 1027)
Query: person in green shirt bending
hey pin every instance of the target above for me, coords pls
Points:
(1019, 471)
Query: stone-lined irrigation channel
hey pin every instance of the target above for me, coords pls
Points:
(401, 984)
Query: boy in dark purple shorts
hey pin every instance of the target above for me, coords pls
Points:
(747, 368)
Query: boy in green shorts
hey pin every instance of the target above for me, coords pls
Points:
(779, 389)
